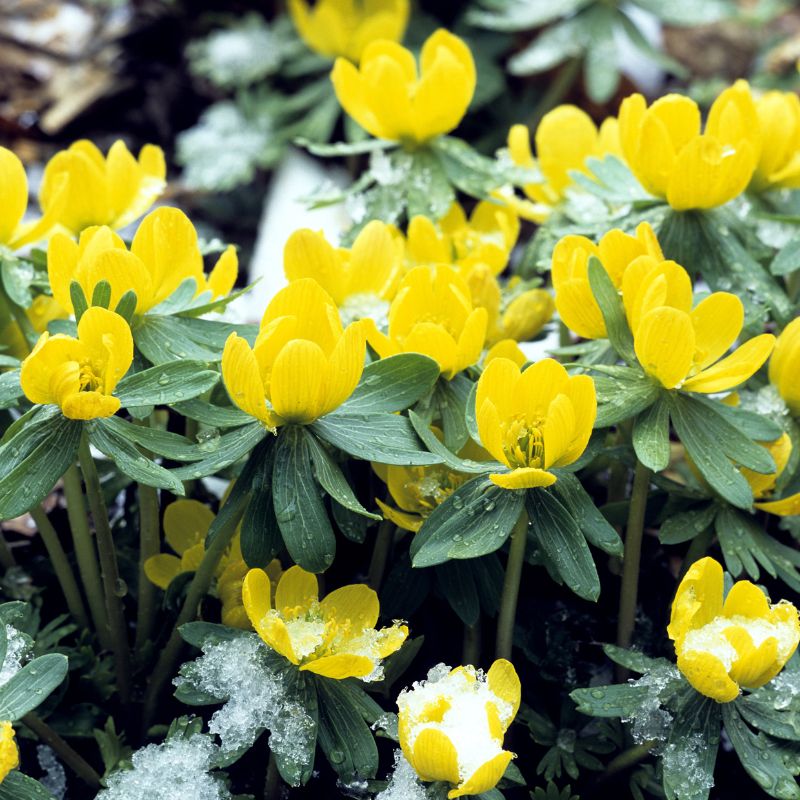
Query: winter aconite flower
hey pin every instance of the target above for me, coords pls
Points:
(433, 314)
(304, 363)
(672, 159)
(575, 300)
(361, 280)
(565, 138)
(9, 753)
(722, 645)
(334, 637)
(784, 366)
(81, 187)
(763, 486)
(533, 420)
(779, 160)
(388, 97)
(164, 253)
(345, 27)
(80, 374)
(682, 347)
(452, 725)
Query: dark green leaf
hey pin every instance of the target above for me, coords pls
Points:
(260, 534)
(749, 423)
(447, 457)
(126, 307)
(622, 395)
(457, 583)
(163, 443)
(632, 659)
(619, 700)
(608, 299)
(393, 384)
(168, 383)
(209, 414)
(685, 525)
(101, 295)
(79, 303)
(32, 685)
(228, 448)
(18, 786)
(651, 436)
(10, 389)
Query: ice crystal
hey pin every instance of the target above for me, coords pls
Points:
(54, 779)
(18, 647)
(174, 770)
(682, 762)
(403, 783)
(766, 401)
(651, 721)
(256, 697)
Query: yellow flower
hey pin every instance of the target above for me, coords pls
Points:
(417, 491)
(743, 641)
(763, 486)
(779, 163)
(164, 252)
(229, 589)
(362, 280)
(334, 637)
(506, 348)
(389, 99)
(570, 273)
(433, 314)
(9, 754)
(80, 375)
(666, 151)
(14, 232)
(43, 310)
(81, 188)
(487, 238)
(681, 347)
(303, 365)
(784, 366)
(452, 725)
(345, 27)
(565, 138)
(534, 420)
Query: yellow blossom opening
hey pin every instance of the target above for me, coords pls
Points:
(80, 374)
(533, 420)
(391, 100)
(763, 486)
(784, 366)
(334, 637)
(345, 27)
(452, 725)
(778, 165)
(721, 646)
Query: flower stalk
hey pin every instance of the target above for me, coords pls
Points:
(508, 603)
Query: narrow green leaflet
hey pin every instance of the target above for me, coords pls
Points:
(787, 259)
(685, 525)
(616, 700)
(18, 786)
(651, 436)
(393, 383)
(632, 659)
(607, 296)
(449, 458)
(750, 424)
(169, 383)
(382, 437)
(520, 15)
(31, 686)
(260, 535)
(622, 394)
(475, 520)
(228, 448)
(210, 414)
(457, 583)
(164, 443)
(10, 389)
(428, 187)
(299, 509)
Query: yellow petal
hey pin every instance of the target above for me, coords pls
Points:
(508, 349)
(161, 569)
(256, 601)
(13, 194)
(89, 405)
(340, 666)
(307, 254)
(504, 682)
(698, 599)
(708, 675)
(109, 342)
(736, 368)
(434, 756)
(9, 753)
(557, 429)
(298, 384)
(223, 275)
(297, 589)
(345, 365)
(498, 384)
(357, 603)
(664, 345)
(404, 520)
(747, 600)
(242, 379)
(785, 507)
(717, 321)
(752, 663)
(523, 478)
(186, 523)
(485, 777)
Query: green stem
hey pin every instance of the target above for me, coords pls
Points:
(508, 603)
(557, 90)
(272, 779)
(627, 759)
(69, 756)
(86, 554)
(113, 588)
(471, 652)
(697, 549)
(190, 432)
(197, 589)
(61, 566)
(380, 554)
(632, 558)
(149, 545)
(7, 559)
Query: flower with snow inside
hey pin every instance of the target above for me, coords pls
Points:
(164, 253)
(533, 420)
(681, 347)
(433, 314)
(334, 637)
(361, 280)
(763, 486)
(178, 768)
(565, 138)
(81, 187)
(725, 644)
(80, 374)
(9, 753)
(452, 725)
(388, 97)
(304, 363)
(345, 27)
(672, 159)
(784, 366)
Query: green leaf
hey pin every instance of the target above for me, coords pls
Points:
(343, 148)
(32, 685)
(566, 39)
(214, 416)
(429, 192)
(17, 275)
(475, 520)
(749, 423)
(787, 259)
(692, 424)
(610, 303)
(18, 786)
(632, 659)
(760, 756)
(228, 448)
(522, 15)
(301, 514)
(382, 437)
(447, 457)
(34, 458)
(198, 634)
(10, 389)
(618, 700)
(622, 395)
(688, 12)
(764, 716)
(126, 307)
(651, 436)
(470, 414)
(101, 294)
(168, 383)
(600, 68)
(260, 535)
(345, 738)
(562, 542)
(685, 525)
(297, 766)
(453, 398)
(393, 384)
(163, 443)
(79, 303)
(457, 582)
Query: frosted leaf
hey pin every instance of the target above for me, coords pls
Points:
(54, 779)
(766, 401)
(174, 770)
(18, 649)
(255, 694)
(403, 783)
(651, 721)
(684, 764)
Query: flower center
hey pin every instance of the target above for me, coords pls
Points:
(431, 487)
(523, 444)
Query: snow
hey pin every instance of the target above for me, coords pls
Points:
(403, 783)
(55, 779)
(17, 651)
(652, 722)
